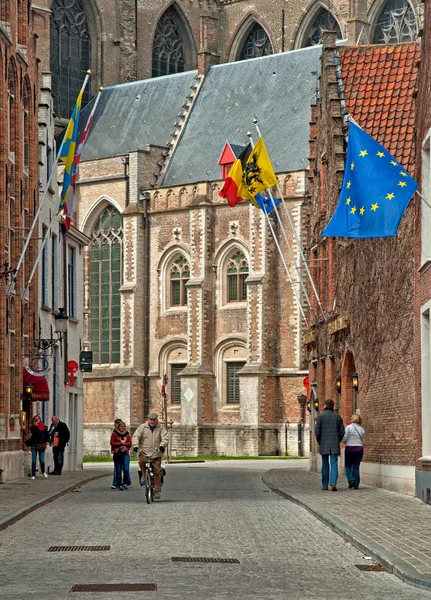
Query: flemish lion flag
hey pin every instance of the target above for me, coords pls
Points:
(258, 174)
(234, 177)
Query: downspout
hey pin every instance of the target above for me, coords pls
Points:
(65, 303)
(146, 303)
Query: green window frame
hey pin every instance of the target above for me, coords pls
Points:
(237, 273)
(178, 276)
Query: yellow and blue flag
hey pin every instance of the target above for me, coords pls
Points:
(375, 192)
(68, 148)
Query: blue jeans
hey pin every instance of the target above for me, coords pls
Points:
(326, 478)
(58, 458)
(34, 452)
(121, 470)
(352, 460)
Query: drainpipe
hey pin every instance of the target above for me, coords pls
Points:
(65, 303)
(125, 161)
(145, 197)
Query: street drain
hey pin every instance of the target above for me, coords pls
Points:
(204, 560)
(374, 567)
(114, 587)
(78, 548)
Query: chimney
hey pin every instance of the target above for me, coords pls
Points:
(208, 48)
(358, 27)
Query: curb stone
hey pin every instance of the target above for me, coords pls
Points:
(392, 563)
(15, 515)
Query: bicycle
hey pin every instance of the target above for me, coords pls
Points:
(149, 475)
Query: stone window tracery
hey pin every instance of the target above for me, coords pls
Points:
(396, 23)
(179, 275)
(70, 54)
(324, 21)
(237, 273)
(257, 44)
(168, 53)
(106, 250)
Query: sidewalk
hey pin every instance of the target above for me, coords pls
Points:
(21, 496)
(394, 529)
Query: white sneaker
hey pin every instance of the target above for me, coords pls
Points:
(45, 475)
(33, 477)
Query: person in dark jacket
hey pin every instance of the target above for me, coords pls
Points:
(38, 442)
(60, 435)
(329, 433)
(120, 444)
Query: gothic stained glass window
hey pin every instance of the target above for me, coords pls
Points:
(70, 54)
(237, 273)
(168, 55)
(257, 44)
(179, 275)
(323, 21)
(106, 251)
(396, 23)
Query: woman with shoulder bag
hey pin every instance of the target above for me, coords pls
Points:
(120, 444)
(354, 450)
(38, 442)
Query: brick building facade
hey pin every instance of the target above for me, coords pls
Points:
(422, 302)
(367, 284)
(18, 193)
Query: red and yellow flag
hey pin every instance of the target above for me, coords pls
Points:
(233, 180)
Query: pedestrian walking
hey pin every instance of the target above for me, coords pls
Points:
(114, 485)
(121, 443)
(354, 450)
(151, 437)
(60, 436)
(38, 442)
(329, 433)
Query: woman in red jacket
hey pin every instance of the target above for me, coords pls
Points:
(120, 444)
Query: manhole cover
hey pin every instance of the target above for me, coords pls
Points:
(78, 548)
(373, 567)
(114, 587)
(204, 560)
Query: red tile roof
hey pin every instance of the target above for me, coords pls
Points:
(378, 83)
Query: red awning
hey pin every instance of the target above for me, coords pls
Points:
(39, 383)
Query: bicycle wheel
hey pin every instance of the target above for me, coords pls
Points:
(148, 493)
(152, 489)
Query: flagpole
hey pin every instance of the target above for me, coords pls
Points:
(87, 76)
(423, 199)
(282, 257)
(298, 243)
(39, 209)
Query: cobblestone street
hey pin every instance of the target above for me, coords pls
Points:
(213, 510)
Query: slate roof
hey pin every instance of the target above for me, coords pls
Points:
(278, 89)
(130, 116)
(378, 83)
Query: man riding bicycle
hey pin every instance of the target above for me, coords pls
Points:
(151, 437)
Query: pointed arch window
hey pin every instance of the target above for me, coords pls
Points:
(237, 273)
(168, 52)
(179, 275)
(323, 21)
(106, 253)
(257, 44)
(70, 54)
(395, 24)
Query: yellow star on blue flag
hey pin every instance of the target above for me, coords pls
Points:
(375, 187)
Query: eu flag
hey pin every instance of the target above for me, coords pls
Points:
(265, 204)
(375, 192)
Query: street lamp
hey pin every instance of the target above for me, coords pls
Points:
(316, 405)
(355, 381)
(28, 389)
(338, 384)
(61, 320)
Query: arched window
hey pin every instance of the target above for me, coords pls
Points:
(396, 23)
(12, 106)
(105, 282)
(179, 275)
(323, 21)
(70, 54)
(237, 272)
(26, 100)
(168, 53)
(257, 44)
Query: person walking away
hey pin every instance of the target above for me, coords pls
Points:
(121, 443)
(38, 442)
(151, 437)
(329, 433)
(60, 436)
(354, 450)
